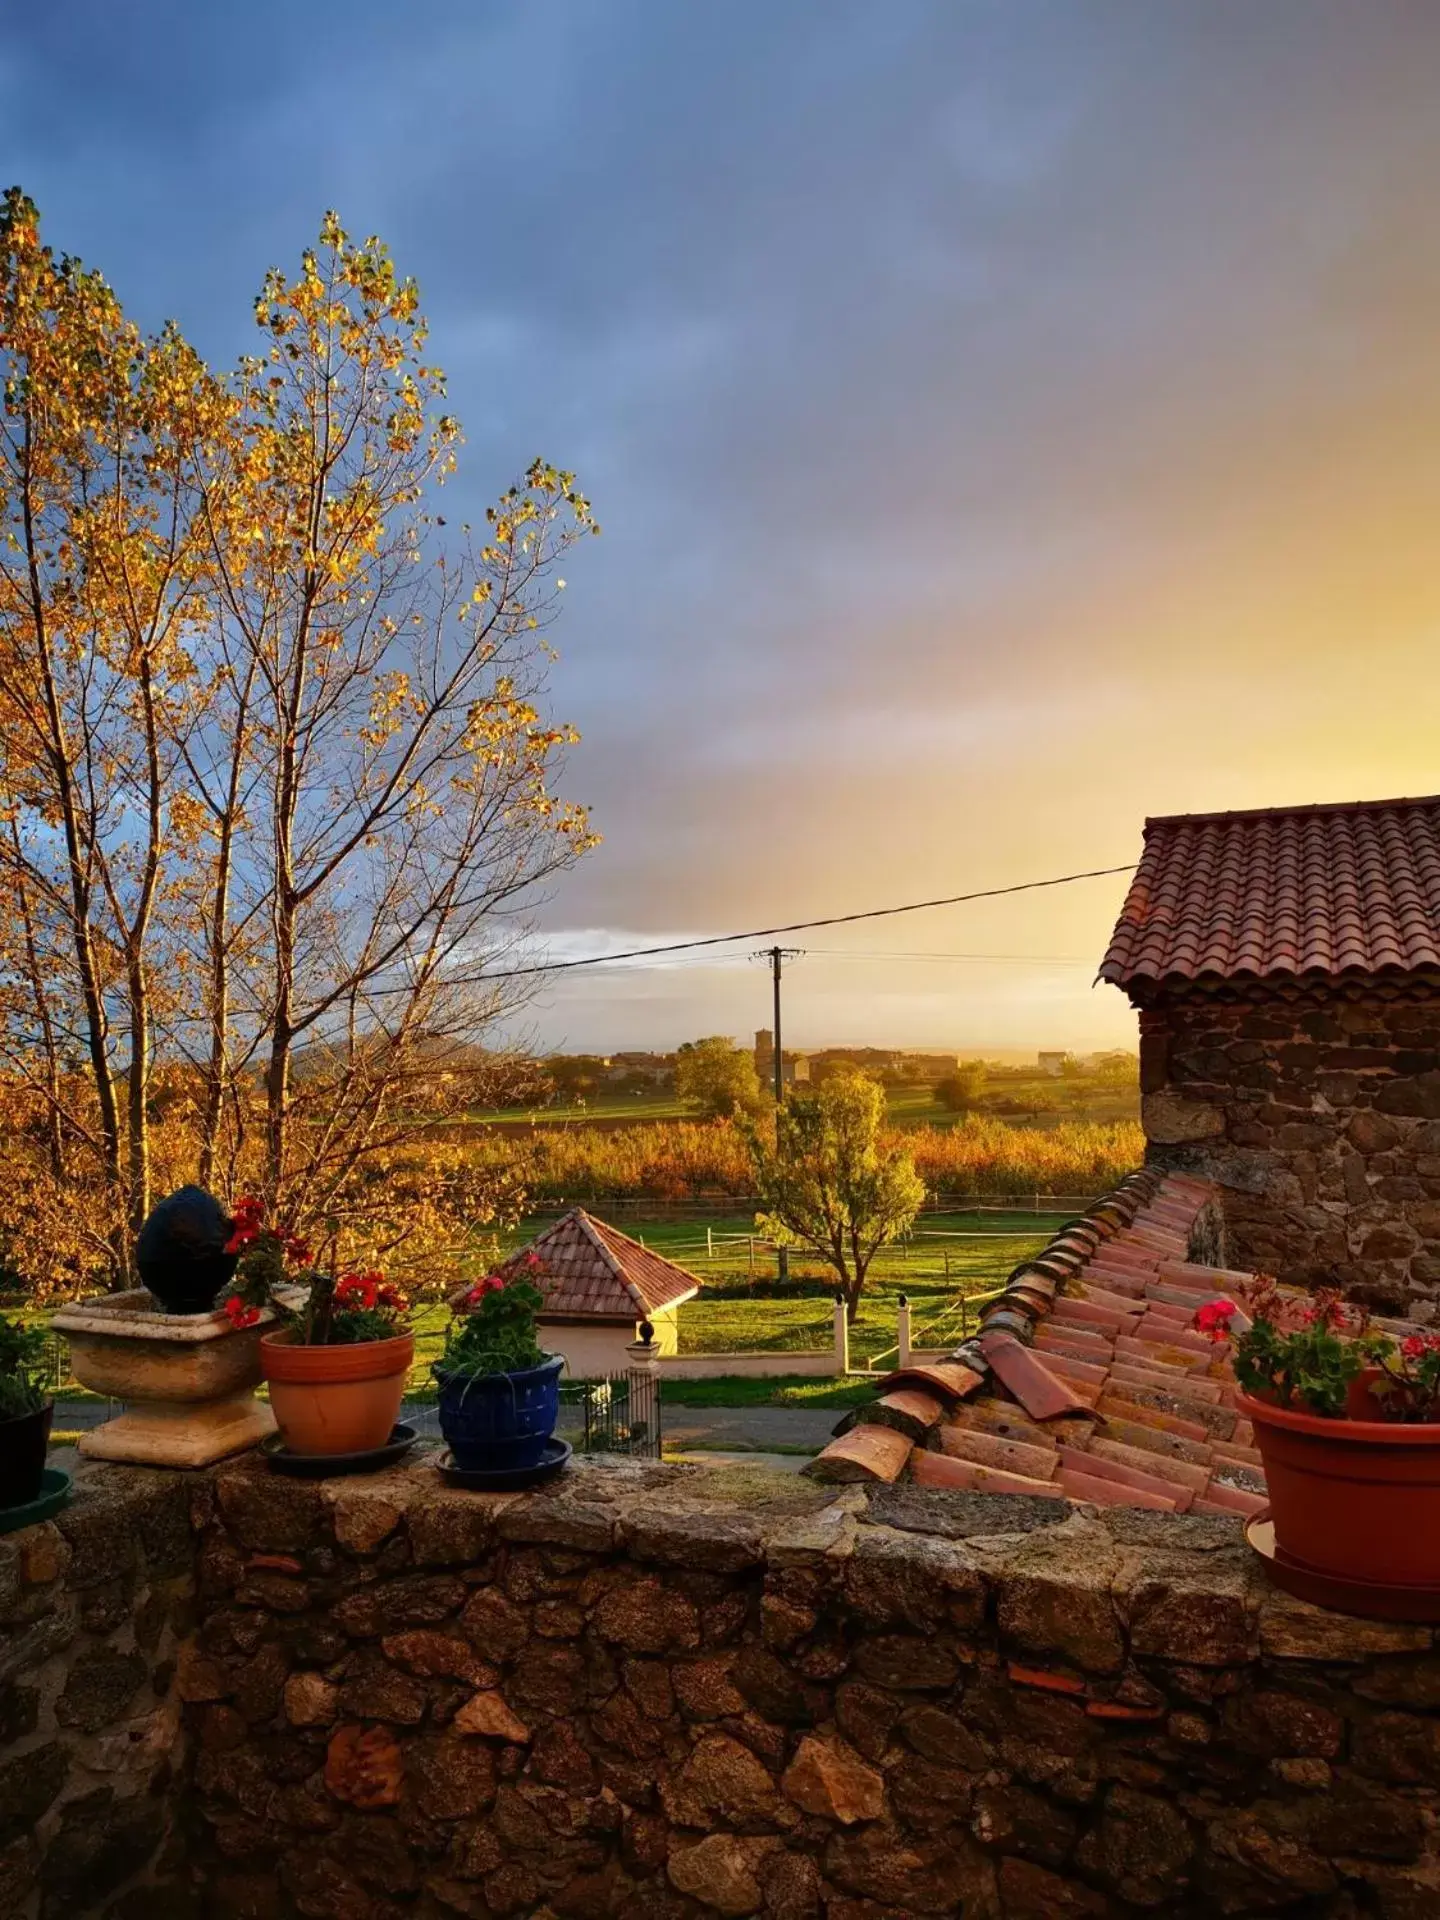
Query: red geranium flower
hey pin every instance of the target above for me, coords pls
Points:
(1214, 1318)
(357, 1290)
(239, 1314)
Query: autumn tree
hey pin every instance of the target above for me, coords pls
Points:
(829, 1180)
(103, 578)
(962, 1090)
(397, 805)
(277, 778)
(717, 1078)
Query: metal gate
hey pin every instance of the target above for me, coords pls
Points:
(617, 1414)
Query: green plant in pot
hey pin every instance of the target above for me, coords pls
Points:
(26, 1411)
(1347, 1421)
(499, 1391)
(338, 1364)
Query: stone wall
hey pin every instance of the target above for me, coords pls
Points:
(93, 1609)
(1321, 1120)
(672, 1693)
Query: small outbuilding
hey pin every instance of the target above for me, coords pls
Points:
(1285, 964)
(599, 1286)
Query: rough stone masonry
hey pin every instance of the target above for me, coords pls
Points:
(1318, 1114)
(675, 1692)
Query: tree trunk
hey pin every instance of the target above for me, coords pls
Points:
(62, 769)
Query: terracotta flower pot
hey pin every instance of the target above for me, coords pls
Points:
(1359, 1499)
(343, 1399)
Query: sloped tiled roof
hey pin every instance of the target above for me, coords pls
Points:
(1086, 1381)
(593, 1269)
(1321, 891)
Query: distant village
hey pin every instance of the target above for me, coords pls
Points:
(584, 1075)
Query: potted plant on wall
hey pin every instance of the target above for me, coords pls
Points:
(26, 1411)
(186, 1371)
(499, 1392)
(1347, 1421)
(337, 1367)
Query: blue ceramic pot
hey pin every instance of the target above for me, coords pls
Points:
(499, 1420)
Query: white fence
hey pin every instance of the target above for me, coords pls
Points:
(832, 1362)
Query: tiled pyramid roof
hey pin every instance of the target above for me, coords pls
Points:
(590, 1268)
(1086, 1381)
(1319, 891)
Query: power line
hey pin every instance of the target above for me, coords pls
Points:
(927, 953)
(699, 962)
(802, 926)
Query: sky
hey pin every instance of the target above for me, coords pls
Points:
(1007, 418)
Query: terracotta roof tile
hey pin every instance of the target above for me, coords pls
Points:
(865, 1453)
(1185, 1473)
(588, 1267)
(947, 1378)
(907, 1410)
(1319, 891)
(1110, 1493)
(990, 1450)
(1042, 1395)
(1102, 1396)
(1098, 1466)
(939, 1470)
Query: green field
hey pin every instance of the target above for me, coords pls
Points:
(737, 1314)
(604, 1106)
(914, 1106)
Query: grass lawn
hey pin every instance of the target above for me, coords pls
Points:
(782, 1390)
(735, 1314)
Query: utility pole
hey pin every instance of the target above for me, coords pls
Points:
(777, 956)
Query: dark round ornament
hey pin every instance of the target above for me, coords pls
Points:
(181, 1251)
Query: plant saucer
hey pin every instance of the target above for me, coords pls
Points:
(506, 1479)
(324, 1466)
(1366, 1599)
(55, 1485)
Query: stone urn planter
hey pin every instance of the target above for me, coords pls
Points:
(188, 1379)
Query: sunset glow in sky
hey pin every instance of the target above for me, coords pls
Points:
(1007, 419)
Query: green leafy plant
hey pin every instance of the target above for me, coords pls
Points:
(339, 1309)
(494, 1331)
(22, 1355)
(1299, 1351)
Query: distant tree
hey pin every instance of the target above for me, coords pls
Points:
(1117, 1069)
(575, 1074)
(716, 1077)
(828, 1180)
(963, 1089)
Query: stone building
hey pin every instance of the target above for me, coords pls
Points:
(1286, 968)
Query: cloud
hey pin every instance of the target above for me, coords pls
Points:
(1006, 421)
